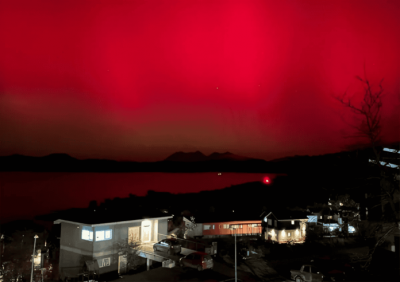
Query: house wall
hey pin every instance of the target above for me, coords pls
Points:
(295, 234)
(296, 230)
(196, 232)
(287, 224)
(162, 228)
(217, 228)
(109, 248)
(73, 249)
(272, 234)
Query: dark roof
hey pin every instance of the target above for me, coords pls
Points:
(290, 215)
(101, 216)
(267, 213)
(226, 217)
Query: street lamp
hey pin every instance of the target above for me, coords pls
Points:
(2, 249)
(33, 256)
(233, 228)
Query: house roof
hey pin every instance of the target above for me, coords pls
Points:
(227, 217)
(99, 217)
(290, 215)
(268, 215)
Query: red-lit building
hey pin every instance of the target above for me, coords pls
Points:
(225, 224)
(229, 228)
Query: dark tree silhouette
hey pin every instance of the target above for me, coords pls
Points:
(369, 126)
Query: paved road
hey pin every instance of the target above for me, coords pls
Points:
(219, 273)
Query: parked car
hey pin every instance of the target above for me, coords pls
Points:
(307, 273)
(197, 260)
(336, 270)
(169, 246)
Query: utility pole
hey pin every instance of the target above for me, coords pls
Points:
(233, 229)
(33, 256)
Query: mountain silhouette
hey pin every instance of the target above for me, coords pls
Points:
(199, 157)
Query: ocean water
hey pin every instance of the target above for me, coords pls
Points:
(24, 195)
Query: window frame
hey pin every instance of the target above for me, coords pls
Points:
(90, 233)
(102, 230)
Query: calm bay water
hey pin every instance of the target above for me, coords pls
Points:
(27, 194)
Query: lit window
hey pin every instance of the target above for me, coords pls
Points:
(254, 225)
(329, 217)
(207, 227)
(87, 233)
(269, 221)
(213, 226)
(288, 234)
(320, 217)
(226, 226)
(103, 233)
(276, 223)
(292, 222)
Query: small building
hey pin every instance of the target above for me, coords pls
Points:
(225, 224)
(288, 227)
(94, 238)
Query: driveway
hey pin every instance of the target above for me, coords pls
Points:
(148, 247)
(219, 273)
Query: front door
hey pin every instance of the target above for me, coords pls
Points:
(134, 235)
(122, 262)
(146, 233)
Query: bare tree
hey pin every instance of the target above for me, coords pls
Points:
(190, 226)
(369, 126)
(132, 253)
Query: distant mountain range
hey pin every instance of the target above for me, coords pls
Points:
(189, 162)
(200, 157)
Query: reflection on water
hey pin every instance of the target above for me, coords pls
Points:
(26, 194)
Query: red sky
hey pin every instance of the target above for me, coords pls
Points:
(139, 80)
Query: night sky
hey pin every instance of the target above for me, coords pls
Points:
(140, 80)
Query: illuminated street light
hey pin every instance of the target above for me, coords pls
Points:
(233, 229)
(33, 256)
